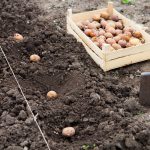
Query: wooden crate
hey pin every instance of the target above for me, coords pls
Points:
(104, 57)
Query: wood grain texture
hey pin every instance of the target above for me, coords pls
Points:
(111, 59)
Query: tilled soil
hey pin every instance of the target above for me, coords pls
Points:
(102, 107)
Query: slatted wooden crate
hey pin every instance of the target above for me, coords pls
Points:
(104, 57)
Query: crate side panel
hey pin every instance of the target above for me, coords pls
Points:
(128, 51)
(124, 61)
(96, 59)
(85, 15)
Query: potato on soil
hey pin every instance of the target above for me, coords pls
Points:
(68, 132)
(35, 58)
(18, 37)
(52, 94)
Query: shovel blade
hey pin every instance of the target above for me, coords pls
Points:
(145, 89)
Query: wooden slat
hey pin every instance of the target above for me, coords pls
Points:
(127, 51)
(96, 59)
(85, 39)
(110, 8)
(86, 15)
(127, 60)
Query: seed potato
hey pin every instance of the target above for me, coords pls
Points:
(68, 132)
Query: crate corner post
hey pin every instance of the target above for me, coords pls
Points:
(69, 15)
(105, 50)
(110, 7)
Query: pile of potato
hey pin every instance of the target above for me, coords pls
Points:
(103, 28)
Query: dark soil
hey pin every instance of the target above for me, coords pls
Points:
(102, 107)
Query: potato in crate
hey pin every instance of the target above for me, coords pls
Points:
(110, 38)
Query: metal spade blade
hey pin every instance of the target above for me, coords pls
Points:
(145, 89)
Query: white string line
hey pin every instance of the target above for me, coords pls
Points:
(34, 117)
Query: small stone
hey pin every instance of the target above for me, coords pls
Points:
(131, 76)
(25, 148)
(131, 143)
(148, 147)
(92, 120)
(33, 145)
(117, 117)
(131, 104)
(111, 113)
(119, 146)
(69, 120)
(14, 148)
(102, 125)
(12, 92)
(5, 89)
(120, 137)
(108, 128)
(121, 111)
(10, 120)
(2, 132)
(25, 143)
(101, 77)
(4, 114)
(29, 121)
(95, 96)
(85, 119)
(22, 115)
(96, 148)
